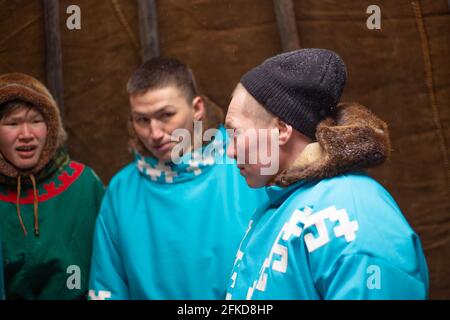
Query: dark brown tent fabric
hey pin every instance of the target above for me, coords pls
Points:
(401, 72)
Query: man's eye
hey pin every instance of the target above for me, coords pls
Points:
(141, 120)
(167, 115)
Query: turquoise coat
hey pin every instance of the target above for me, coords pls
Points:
(339, 238)
(169, 231)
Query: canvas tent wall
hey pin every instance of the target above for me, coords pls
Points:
(401, 72)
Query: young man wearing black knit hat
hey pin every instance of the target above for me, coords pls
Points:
(330, 231)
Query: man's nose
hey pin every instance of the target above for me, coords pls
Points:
(25, 132)
(156, 132)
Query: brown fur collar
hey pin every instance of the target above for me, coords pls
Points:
(354, 140)
(18, 86)
(213, 118)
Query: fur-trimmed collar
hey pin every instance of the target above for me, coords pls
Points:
(354, 140)
(18, 86)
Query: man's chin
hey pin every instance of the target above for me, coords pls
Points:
(27, 164)
(163, 156)
(255, 181)
(251, 182)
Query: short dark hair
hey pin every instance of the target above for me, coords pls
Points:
(9, 107)
(162, 72)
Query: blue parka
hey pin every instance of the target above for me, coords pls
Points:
(340, 238)
(330, 231)
(168, 231)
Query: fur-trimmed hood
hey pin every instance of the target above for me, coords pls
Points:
(355, 139)
(18, 86)
(214, 116)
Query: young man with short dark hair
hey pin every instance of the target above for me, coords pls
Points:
(171, 221)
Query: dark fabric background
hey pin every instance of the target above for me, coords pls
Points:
(222, 39)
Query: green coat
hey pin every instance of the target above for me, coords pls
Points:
(55, 264)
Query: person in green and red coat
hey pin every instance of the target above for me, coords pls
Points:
(48, 202)
(2, 286)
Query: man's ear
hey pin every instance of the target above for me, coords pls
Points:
(198, 104)
(284, 131)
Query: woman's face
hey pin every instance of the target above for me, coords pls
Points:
(23, 133)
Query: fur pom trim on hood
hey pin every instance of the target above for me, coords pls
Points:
(355, 139)
(18, 86)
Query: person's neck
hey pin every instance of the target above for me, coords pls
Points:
(291, 151)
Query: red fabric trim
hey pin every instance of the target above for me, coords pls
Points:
(51, 190)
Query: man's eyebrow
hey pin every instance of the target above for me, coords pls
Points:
(232, 93)
(162, 109)
(12, 118)
(36, 115)
(29, 115)
(137, 113)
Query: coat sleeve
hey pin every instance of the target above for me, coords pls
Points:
(364, 277)
(368, 251)
(107, 276)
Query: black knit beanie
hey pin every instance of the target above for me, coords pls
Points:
(301, 87)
